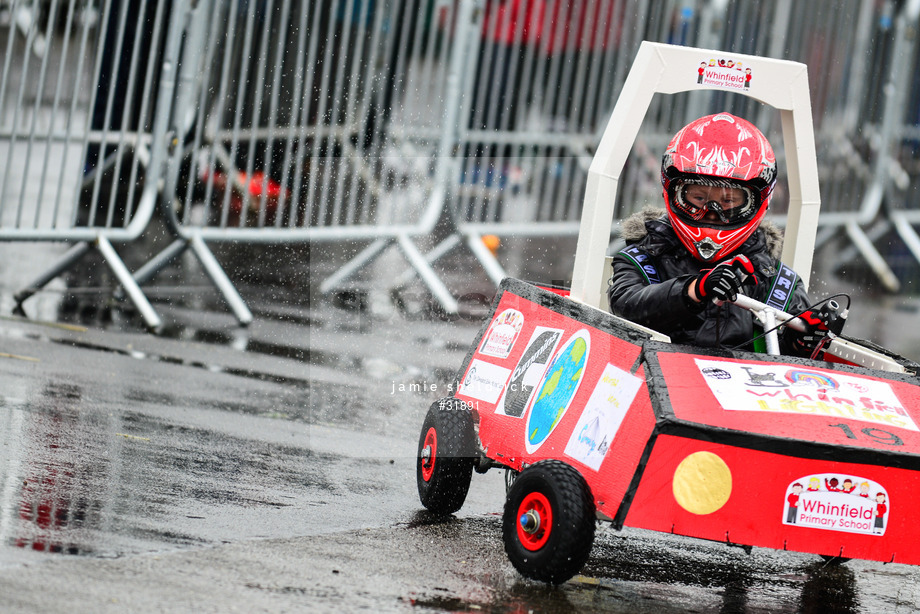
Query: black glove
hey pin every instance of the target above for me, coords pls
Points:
(812, 341)
(723, 281)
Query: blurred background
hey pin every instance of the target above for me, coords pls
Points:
(403, 154)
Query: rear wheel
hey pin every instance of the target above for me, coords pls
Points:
(548, 523)
(446, 455)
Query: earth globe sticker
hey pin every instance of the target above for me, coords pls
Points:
(556, 390)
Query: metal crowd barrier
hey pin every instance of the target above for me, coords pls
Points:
(368, 121)
(901, 147)
(309, 120)
(81, 115)
(548, 74)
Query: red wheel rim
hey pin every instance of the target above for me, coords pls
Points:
(431, 443)
(534, 508)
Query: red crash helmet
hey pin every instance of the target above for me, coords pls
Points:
(721, 151)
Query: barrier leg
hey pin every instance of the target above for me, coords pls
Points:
(875, 260)
(489, 262)
(824, 235)
(65, 262)
(161, 260)
(155, 265)
(354, 265)
(907, 234)
(439, 251)
(220, 279)
(431, 279)
(874, 232)
(127, 282)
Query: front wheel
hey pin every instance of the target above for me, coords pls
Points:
(548, 523)
(446, 455)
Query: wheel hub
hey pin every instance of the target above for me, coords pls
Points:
(428, 454)
(535, 521)
(530, 521)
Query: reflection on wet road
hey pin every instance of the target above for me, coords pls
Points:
(105, 484)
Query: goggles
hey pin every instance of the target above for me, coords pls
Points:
(693, 200)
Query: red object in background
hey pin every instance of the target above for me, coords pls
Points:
(565, 25)
(253, 186)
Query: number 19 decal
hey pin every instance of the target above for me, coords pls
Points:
(879, 435)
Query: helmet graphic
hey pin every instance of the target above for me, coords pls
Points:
(717, 155)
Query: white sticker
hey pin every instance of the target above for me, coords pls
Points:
(603, 415)
(837, 502)
(725, 73)
(484, 381)
(776, 388)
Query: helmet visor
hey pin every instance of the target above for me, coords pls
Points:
(714, 203)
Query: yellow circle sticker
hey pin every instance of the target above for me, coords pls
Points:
(702, 483)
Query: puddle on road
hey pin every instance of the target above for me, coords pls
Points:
(635, 572)
(75, 480)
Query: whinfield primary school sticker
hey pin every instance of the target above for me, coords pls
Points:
(602, 416)
(725, 73)
(837, 502)
(502, 333)
(771, 387)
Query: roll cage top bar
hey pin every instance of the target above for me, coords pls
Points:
(670, 69)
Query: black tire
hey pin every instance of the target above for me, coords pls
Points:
(446, 455)
(550, 552)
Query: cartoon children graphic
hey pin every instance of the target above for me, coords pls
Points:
(848, 486)
(814, 485)
(747, 78)
(880, 510)
(832, 484)
(793, 500)
(701, 69)
(864, 490)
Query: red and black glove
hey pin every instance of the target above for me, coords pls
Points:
(724, 281)
(812, 341)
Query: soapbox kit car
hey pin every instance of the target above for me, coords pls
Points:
(599, 418)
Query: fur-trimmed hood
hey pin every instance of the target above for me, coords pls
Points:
(633, 228)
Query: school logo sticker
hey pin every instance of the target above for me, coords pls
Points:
(502, 333)
(725, 73)
(557, 389)
(837, 502)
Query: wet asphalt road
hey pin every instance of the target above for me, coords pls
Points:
(214, 468)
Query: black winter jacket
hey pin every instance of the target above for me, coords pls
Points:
(655, 297)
